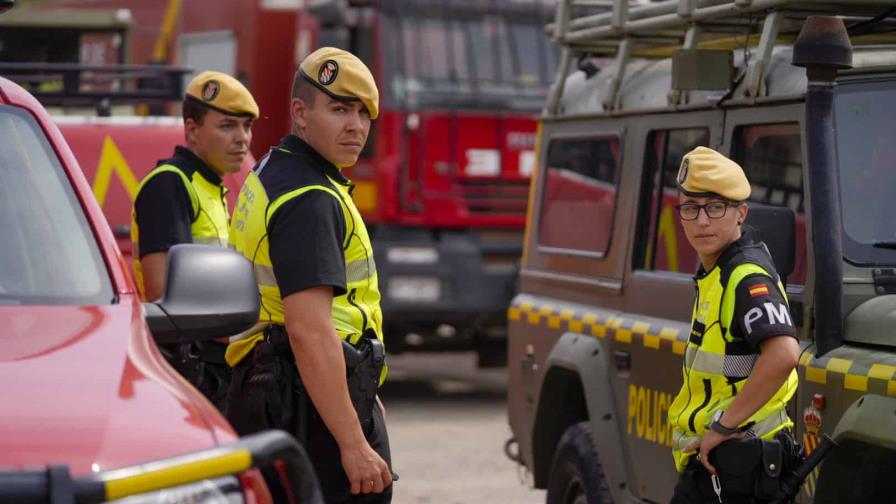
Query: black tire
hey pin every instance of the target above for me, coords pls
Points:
(576, 474)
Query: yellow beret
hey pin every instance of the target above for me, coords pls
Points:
(705, 172)
(223, 93)
(343, 76)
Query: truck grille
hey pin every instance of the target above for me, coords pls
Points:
(495, 197)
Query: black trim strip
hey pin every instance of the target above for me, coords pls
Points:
(707, 391)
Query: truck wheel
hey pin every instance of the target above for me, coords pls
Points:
(576, 474)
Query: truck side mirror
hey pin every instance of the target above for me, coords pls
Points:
(776, 226)
(210, 292)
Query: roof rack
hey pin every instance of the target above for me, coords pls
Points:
(101, 86)
(630, 28)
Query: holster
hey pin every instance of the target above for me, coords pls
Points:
(268, 392)
(364, 363)
(750, 466)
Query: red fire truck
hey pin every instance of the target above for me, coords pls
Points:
(443, 182)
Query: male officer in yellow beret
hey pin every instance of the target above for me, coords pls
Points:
(739, 366)
(296, 221)
(182, 201)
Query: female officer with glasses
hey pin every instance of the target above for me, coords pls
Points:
(739, 366)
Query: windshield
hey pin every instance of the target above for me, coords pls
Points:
(865, 116)
(439, 58)
(48, 254)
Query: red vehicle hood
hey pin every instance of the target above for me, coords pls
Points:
(85, 386)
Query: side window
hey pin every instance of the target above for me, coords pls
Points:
(661, 243)
(771, 156)
(579, 194)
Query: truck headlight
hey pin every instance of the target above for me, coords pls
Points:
(226, 490)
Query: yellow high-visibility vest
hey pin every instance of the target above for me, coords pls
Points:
(209, 207)
(356, 311)
(716, 364)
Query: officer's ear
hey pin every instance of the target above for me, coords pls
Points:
(742, 210)
(190, 127)
(298, 111)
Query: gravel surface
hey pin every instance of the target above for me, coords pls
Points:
(447, 425)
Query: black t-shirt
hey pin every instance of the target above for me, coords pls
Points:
(760, 311)
(305, 238)
(305, 234)
(164, 214)
(164, 211)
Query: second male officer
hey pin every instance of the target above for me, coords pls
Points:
(739, 363)
(295, 220)
(182, 201)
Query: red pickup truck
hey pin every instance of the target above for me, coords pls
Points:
(91, 411)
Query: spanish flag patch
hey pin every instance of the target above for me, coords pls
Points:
(758, 290)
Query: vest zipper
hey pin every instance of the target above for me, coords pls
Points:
(351, 301)
(707, 391)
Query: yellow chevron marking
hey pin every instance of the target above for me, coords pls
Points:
(590, 318)
(553, 322)
(599, 330)
(652, 341)
(533, 318)
(678, 347)
(805, 359)
(816, 375)
(526, 306)
(856, 382)
(641, 327)
(669, 333)
(514, 313)
(567, 314)
(839, 365)
(882, 371)
(575, 326)
(546, 310)
(623, 335)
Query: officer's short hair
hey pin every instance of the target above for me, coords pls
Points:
(302, 89)
(195, 111)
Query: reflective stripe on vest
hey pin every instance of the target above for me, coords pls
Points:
(210, 217)
(716, 367)
(353, 312)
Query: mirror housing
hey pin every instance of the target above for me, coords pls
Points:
(210, 292)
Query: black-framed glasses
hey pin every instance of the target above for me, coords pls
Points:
(713, 209)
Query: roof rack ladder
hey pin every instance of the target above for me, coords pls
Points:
(620, 14)
(755, 76)
(691, 39)
(561, 22)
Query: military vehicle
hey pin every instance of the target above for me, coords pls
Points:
(599, 327)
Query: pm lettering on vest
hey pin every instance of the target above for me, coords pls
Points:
(771, 313)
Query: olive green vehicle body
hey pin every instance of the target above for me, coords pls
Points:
(597, 332)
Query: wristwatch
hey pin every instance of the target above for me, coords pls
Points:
(716, 425)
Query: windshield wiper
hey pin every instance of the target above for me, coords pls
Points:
(890, 244)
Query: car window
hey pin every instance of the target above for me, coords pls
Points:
(579, 194)
(771, 156)
(662, 244)
(48, 254)
(865, 118)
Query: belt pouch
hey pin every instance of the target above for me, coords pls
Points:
(737, 462)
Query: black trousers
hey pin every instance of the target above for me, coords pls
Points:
(203, 365)
(266, 393)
